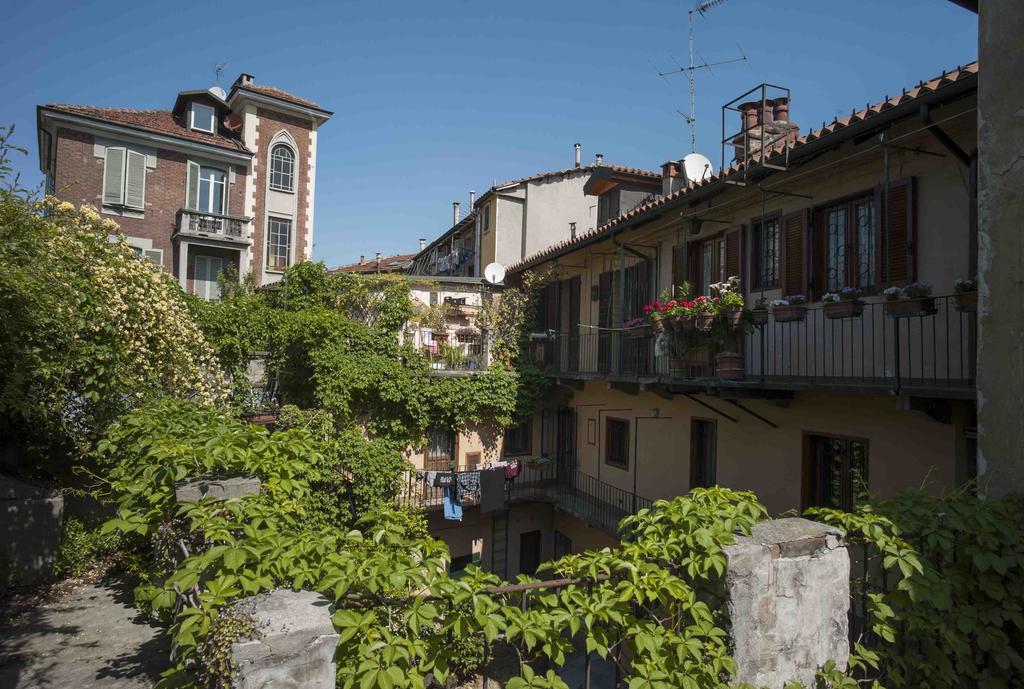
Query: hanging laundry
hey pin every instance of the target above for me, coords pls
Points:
(492, 490)
(452, 505)
(511, 470)
(443, 479)
(469, 482)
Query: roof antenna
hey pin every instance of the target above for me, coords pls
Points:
(700, 8)
(217, 69)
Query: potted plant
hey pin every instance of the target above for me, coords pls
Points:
(729, 300)
(759, 314)
(467, 334)
(637, 328)
(911, 301)
(704, 312)
(435, 318)
(790, 309)
(965, 291)
(845, 303)
(653, 311)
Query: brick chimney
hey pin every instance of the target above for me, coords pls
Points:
(671, 180)
(362, 259)
(770, 122)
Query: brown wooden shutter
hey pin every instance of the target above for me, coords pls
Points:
(550, 314)
(604, 304)
(901, 267)
(732, 255)
(793, 253)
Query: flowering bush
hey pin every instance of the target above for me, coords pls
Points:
(90, 330)
(963, 285)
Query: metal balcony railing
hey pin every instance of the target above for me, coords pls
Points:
(213, 224)
(935, 349)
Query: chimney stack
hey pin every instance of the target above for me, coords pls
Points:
(670, 179)
(423, 243)
(472, 199)
(455, 212)
(244, 79)
(362, 259)
(769, 122)
(577, 147)
(572, 230)
(599, 158)
(377, 259)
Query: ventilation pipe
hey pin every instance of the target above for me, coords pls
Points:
(472, 199)
(572, 230)
(577, 147)
(599, 158)
(455, 212)
(423, 243)
(362, 259)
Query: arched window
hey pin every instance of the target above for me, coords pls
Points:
(282, 168)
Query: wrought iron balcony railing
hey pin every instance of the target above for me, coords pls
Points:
(932, 349)
(212, 224)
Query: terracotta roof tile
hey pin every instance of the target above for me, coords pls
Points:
(158, 121)
(827, 129)
(387, 264)
(282, 95)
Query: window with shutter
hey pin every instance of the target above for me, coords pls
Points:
(678, 265)
(135, 181)
(764, 234)
(113, 177)
(192, 187)
(898, 266)
(793, 253)
(693, 269)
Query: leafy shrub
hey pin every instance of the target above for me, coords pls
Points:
(80, 547)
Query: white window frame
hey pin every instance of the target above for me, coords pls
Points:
(295, 159)
(192, 118)
(223, 210)
(290, 248)
(122, 203)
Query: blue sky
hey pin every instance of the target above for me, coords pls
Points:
(432, 99)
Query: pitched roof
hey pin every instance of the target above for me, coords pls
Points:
(158, 121)
(279, 94)
(832, 132)
(386, 264)
(569, 170)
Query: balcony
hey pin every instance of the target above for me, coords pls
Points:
(928, 355)
(212, 225)
(599, 504)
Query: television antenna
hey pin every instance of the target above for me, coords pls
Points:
(217, 69)
(700, 8)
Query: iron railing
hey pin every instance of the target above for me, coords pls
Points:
(932, 350)
(197, 222)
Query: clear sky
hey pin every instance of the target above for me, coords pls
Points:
(432, 99)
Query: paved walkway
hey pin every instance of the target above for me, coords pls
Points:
(89, 638)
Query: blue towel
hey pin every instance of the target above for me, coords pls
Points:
(452, 506)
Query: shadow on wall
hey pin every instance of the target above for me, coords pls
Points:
(29, 531)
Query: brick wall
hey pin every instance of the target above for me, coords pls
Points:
(79, 179)
(270, 123)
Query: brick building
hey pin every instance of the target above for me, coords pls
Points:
(221, 179)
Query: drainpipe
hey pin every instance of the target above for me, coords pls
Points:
(883, 139)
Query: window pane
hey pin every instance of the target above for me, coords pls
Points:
(766, 241)
(279, 233)
(865, 244)
(835, 251)
(282, 168)
(705, 268)
(202, 117)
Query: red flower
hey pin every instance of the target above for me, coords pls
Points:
(647, 309)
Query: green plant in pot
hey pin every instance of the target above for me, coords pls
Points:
(965, 291)
(913, 301)
(845, 303)
(790, 309)
(759, 314)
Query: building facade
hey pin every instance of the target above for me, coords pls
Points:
(821, 409)
(221, 180)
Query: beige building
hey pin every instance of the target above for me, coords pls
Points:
(826, 410)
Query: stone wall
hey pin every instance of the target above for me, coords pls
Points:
(30, 527)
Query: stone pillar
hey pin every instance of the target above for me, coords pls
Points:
(1000, 247)
(30, 526)
(195, 489)
(295, 643)
(788, 589)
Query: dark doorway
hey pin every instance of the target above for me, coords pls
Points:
(529, 552)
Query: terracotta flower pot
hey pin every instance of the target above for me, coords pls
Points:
(682, 324)
(845, 308)
(729, 366)
(758, 316)
(967, 302)
(705, 321)
(911, 308)
(638, 332)
(658, 323)
(733, 318)
(699, 356)
(789, 314)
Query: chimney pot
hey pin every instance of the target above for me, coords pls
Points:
(766, 111)
(423, 243)
(472, 198)
(244, 79)
(599, 158)
(782, 109)
(577, 147)
(572, 230)
(748, 114)
(669, 177)
(362, 259)
(455, 212)
(377, 258)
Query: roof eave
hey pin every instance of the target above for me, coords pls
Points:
(319, 115)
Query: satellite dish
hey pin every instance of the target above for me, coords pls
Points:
(218, 91)
(696, 167)
(494, 273)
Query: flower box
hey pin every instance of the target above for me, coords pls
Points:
(439, 337)
(729, 366)
(911, 308)
(789, 314)
(682, 324)
(705, 320)
(967, 302)
(758, 316)
(844, 308)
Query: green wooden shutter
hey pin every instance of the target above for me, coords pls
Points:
(113, 177)
(135, 181)
(192, 199)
